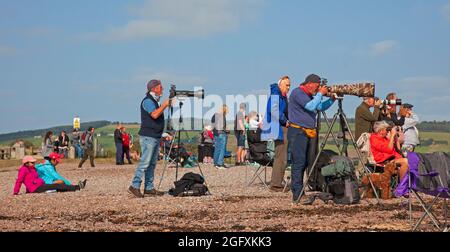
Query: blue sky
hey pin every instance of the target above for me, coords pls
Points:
(92, 58)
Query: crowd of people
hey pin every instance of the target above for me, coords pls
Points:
(83, 143)
(290, 123)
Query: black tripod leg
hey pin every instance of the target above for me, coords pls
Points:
(332, 134)
(366, 170)
(166, 163)
(322, 147)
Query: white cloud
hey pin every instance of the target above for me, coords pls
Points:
(182, 18)
(446, 11)
(7, 50)
(429, 94)
(382, 47)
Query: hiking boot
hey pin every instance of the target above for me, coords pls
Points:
(153, 193)
(308, 201)
(276, 189)
(135, 192)
(82, 184)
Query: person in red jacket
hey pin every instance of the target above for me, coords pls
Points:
(383, 146)
(126, 145)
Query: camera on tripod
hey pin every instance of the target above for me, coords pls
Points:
(184, 93)
(357, 89)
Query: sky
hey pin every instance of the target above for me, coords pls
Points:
(93, 58)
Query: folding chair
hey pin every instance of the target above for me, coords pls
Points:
(427, 174)
(260, 154)
(363, 144)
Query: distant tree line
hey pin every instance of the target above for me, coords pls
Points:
(434, 126)
(56, 130)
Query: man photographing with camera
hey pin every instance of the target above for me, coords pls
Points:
(152, 127)
(304, 103)
(364, 119)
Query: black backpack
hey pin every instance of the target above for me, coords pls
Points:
(190, 184)
(345, 190)
(317, 182)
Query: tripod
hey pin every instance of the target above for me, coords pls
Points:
(344, 127)
(177, 136)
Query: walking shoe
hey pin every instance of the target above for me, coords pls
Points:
(135, 192)
(82, 184)
(276, 189)
(221, 167)
(153, 193)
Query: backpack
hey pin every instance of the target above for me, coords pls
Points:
(341, 180)
(83, 138)
(190, 184)
(317, 182)
(345, 191)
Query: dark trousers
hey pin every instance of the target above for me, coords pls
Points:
(87, 153)
(119, 153)
(298, 145)
(126, 153)
(58, 188)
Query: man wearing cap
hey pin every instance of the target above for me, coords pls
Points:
(409, 128)
(304, 103)
(152, 127)
(364, 119)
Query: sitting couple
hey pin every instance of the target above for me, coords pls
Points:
(41, 178)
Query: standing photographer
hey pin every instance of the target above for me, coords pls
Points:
(152, 127)
(409, 129)
(364, 119)
(304, 103)
(389, 111)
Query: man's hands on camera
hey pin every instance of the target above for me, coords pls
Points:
(379, 103)
(323, 90)
(169, 102)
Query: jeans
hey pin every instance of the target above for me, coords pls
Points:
(78, 151)
(220, 145)
(147, 165)
(298, 146)
(119, 153)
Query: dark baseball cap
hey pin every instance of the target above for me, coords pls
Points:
(408, 106)
(312, 78)
(153, 83)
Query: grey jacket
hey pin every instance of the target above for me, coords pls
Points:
(410, 130)
(47, 147)
(89, 141)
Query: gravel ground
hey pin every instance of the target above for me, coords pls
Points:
(105, 205)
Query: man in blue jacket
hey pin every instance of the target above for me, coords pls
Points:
(304, 103)
(275, 128)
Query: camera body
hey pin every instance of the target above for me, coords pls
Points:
(184, 93)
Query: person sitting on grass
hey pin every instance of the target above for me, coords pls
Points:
(47, 171)
(33, 184)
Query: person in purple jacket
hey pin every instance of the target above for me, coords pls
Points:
(33, 184)
(304, 103)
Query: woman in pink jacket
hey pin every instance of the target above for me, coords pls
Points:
(29, 176)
